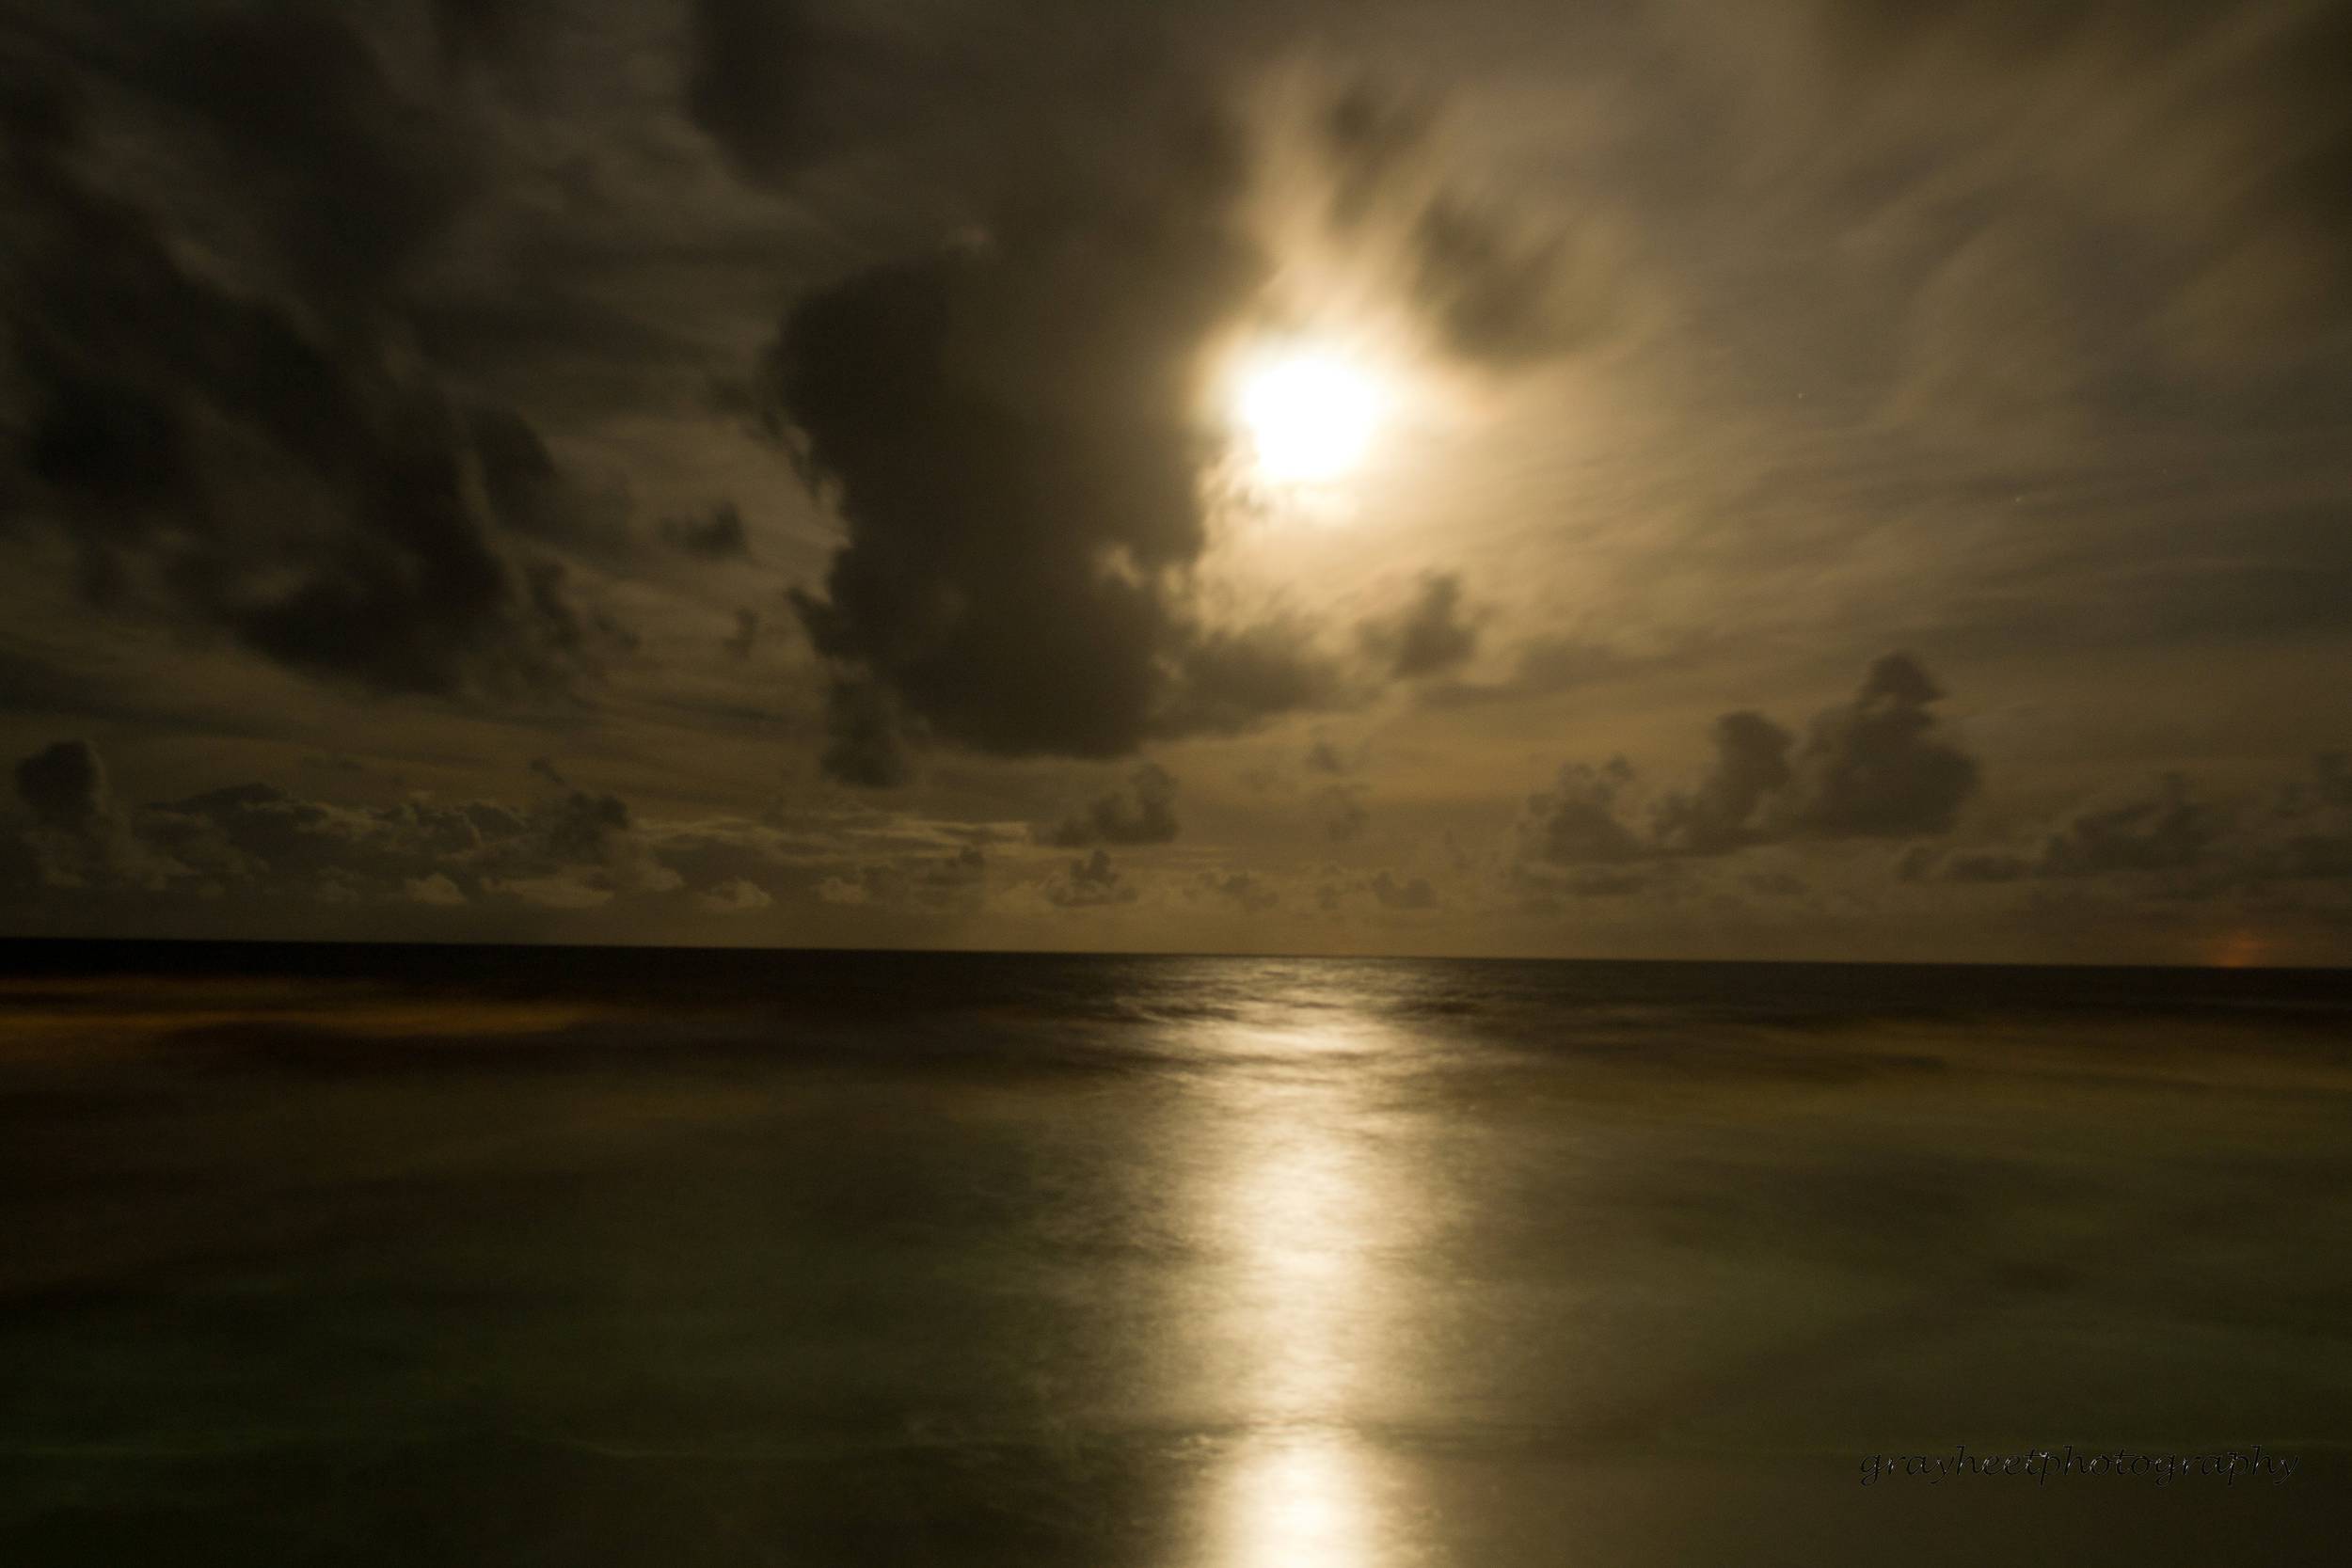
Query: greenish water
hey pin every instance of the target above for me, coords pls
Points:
(412, 1256)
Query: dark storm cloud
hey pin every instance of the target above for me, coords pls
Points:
(1429, 637)
(1143, 812)
(1009, 439)
(1875, 767)
(263, 463)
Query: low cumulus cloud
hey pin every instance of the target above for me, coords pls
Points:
(944, 884)
(569, 850)
(1877, 767)
(2176, 838)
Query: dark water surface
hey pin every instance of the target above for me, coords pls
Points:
(429, 1255)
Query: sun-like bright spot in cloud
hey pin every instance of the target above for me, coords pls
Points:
(1309, 412)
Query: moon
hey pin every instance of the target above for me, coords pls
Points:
(1308, 413)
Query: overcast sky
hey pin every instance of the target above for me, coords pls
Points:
(732, 472)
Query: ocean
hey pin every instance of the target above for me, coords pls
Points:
(389, 1255)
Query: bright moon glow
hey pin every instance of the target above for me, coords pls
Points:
(1310, 414)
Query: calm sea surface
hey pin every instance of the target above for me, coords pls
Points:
(422, 1256)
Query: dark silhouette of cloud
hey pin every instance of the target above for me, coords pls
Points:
(1751, 763)
(1875, 767)
(1010, 438)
